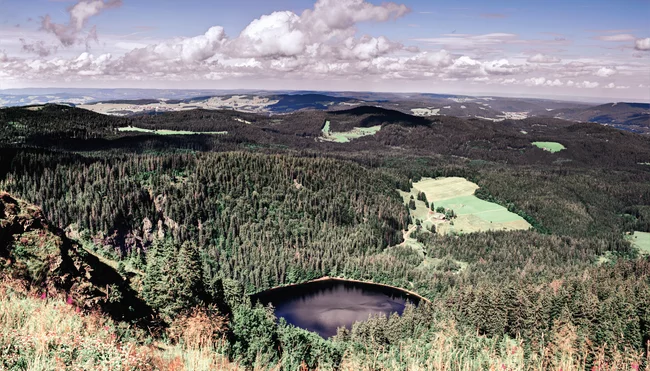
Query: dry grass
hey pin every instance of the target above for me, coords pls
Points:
(39, 333)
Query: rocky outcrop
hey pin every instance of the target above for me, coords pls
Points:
(40, 255)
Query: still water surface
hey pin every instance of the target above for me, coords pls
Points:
(323, 306)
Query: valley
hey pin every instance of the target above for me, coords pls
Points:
(186, 216)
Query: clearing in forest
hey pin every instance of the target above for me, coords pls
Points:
(457, 194)
(549, 146)
(347, 136)
(171, 132)
(640, 240)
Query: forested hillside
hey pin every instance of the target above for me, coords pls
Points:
(191, 225)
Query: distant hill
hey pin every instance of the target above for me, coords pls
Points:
(626, 116)
(291, 103)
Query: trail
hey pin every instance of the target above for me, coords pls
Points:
(407, 233)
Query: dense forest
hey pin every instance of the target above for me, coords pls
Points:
(196, 223)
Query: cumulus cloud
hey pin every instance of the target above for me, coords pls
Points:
(542, 81)
(588, 85)
(79, 14)
(606, 72)
(642, 44)
(192, 49)
(438, 59)
(502, 67)
(542, 58)
(331, 16)
(319, 43)
(368, 47)
(326, 31)
(276, 34)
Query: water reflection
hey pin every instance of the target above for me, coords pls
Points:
(326, 305)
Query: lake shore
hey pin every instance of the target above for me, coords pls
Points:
(339, 279)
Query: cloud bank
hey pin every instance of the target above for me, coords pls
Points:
(322, 43)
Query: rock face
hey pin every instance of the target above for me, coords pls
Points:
(38, 254)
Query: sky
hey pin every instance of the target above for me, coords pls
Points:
(551, 48)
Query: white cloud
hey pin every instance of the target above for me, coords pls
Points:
(193, 49)
(588, 85)
(535, 81)
(502, 67)
(542, 58)
(606, 72)
(555, 82)
(277, 34)
(642, 44)
(438, 59)
(322, 43)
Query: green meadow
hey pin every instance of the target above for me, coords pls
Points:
(550, 146)
(640, 240)
(170, 132)
(347, 136)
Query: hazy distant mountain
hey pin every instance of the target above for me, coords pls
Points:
(626, 116)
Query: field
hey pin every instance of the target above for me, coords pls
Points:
(474, 214)
(426, 111)
(550, 146)
(347, 136)
(242, 103)
(641, 240)
(171, 132)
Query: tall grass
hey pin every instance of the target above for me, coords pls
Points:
(40, 333)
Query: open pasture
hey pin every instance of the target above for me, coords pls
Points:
(457, 194)
(552, 147)
(170, 132)
(347, 136)
(641, 240)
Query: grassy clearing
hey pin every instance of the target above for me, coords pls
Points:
(347, 136)
(549, 146)
(641, 240)
(473, 214)
(170, 132)
(444, 188)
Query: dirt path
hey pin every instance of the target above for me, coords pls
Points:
(407, 233)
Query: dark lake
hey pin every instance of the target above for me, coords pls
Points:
(323, 306)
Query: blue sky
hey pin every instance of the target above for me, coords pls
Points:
(593, 48)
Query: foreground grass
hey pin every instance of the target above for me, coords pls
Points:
(38, 333)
